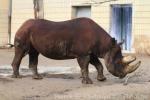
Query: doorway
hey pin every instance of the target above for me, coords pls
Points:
(121, 24)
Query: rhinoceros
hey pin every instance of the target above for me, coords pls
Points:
(79, 38)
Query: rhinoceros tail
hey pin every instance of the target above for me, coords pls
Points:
(7, 46)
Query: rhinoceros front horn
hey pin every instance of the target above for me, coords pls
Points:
(128, 59)
(131, 68)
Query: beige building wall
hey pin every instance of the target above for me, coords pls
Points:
(57, 10)
(140, 20)
(141, 26)
(3, 22)
(22, 10)
(60, 10)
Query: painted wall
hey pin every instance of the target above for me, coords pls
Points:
(3, 22)
(59, 10)
(140, 21)
(141, 26)
(62, 10)
(22, 10)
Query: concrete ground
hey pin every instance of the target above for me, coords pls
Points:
(62, 81)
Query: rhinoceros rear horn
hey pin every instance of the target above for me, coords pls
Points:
(131, 68)
(121, 42)
(128, 59)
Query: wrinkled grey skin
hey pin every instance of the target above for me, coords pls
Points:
(113, 62)
(79, 38)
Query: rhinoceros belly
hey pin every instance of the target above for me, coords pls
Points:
(56, 50)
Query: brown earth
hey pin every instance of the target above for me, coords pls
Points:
(67, 86)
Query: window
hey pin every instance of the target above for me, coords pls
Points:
(81, 11)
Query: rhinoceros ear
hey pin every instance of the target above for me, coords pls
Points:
(113, 40)
(121, 42)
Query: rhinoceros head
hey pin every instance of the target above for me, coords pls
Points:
(117, 64)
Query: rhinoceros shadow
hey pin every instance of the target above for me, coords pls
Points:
(140, 76)
(111, 80)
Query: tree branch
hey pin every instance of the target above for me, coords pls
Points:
(105, 1)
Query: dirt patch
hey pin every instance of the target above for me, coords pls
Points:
(62, 76)
(5, 80)
(67, 86)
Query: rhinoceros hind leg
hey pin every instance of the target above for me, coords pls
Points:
(19, 53)
(33, 61)
(16, 76)
(99, 67)
(83, 63)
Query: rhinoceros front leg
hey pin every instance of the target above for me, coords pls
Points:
(98, 65)
(83, 63)
(33, 61)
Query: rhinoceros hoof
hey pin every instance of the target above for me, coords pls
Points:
(102, 78)
(87, 81)
(37, 77)
(16, 76)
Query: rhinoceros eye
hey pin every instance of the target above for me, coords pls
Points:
(118, 56)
